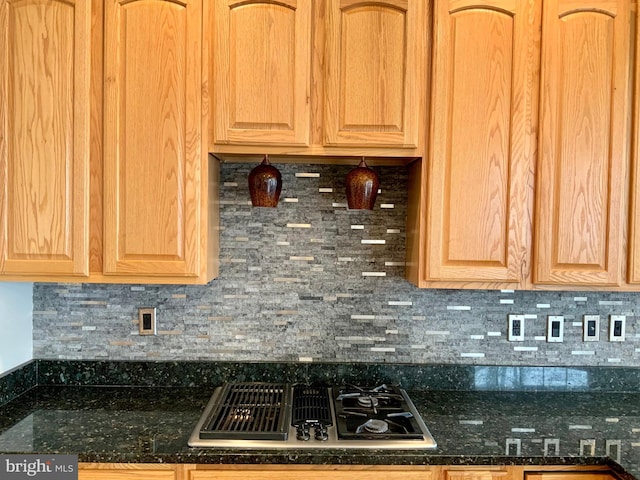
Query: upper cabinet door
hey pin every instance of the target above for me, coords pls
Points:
(261, 72)
(153, 137)
(44, 136)
(633, 270)
(374, 72)
(480, 163)
(583, 142)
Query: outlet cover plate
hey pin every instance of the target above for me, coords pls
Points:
(591, 328)
(147, 321)
(555, 328)
(616, 328)
(516, 328)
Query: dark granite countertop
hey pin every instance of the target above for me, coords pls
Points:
(150, 424)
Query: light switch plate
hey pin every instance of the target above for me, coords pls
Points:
(516, 328)
(591, 328)
(147, 321)
(616, 328)
(555, 328)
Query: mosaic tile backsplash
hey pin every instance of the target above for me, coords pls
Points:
(311, 281)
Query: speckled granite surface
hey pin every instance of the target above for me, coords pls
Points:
(138, 424)
(144, 412)
(410, 376)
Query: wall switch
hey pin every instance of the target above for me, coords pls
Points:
(591, 328)
(555, 328)
(516, 328)
(147, 321)
(616, 328)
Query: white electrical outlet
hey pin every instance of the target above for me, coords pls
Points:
(516, 328)
(616, 328)
(591, 328)
(555, 328)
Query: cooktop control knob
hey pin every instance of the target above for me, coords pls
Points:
(302, 432)
(321, 432)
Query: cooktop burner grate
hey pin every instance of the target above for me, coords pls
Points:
(250, 411)
(311, 405)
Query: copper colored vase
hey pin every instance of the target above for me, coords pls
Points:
(362, 187)
(265, 184)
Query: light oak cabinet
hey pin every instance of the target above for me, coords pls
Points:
(261, 73)
(526, 179)
(44, 137)
(633, 268)
(469, 217)
(126, 471)
(154, 153)
(103, 161)
(583, 142)
(331, 77)
(122, 471)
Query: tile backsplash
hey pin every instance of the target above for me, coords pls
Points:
(312, 281)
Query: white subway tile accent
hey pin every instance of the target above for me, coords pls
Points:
(506, 301)
(383, 349)
(363, 317)
(582, 352)
(290, 200)
(400, 303)
(476, 337)
(387, 205)
(230, 184)
(357, 227)
(372, 242)
(325, 190)
(525, 349)
(307, 175)
(472, 355)
(471, 422)
(394, 264)
(543, 305)
(374, 274)
(393, 230)
(298, 225)
(494, 334)
(458, 307)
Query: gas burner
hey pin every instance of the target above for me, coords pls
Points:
(368, 401)
(374, 426)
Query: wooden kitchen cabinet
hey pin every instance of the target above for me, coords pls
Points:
(103, 156)
(155, 159)
(44, 137)
(314, 473)
(470, 199)
(633, 266)
(583, 143)
(331, 77)
(261, 72)
(126, 471)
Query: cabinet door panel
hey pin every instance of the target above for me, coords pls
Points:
(374, 60)
(481, 141)
(633, 270)
(294, 474)
(44, 136)
(152, 137)
(262, 72)
(583, 137)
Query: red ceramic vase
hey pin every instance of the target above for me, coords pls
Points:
(265, 185)
(362, 187)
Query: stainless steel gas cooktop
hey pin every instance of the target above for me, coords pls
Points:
(270, 415)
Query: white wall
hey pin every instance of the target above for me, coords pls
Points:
(16, 324)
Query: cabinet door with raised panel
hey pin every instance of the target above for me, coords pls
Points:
(480, 163)
(582, 142)
(152, 137)
(44, 137)
(633, 270)
(375, 61)
(261, 72)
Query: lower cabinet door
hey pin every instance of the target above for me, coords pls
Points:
(295, 474)
(126, 471)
